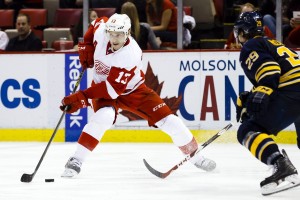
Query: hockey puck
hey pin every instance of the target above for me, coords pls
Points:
(49, 180)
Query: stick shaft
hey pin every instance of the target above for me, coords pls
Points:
(57, 126)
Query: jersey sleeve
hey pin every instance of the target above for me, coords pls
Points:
(89, 35)
(114, 85)
(259, 65)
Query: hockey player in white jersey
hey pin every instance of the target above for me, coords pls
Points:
(118, 83)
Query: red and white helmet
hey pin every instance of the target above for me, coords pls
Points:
(119, 23)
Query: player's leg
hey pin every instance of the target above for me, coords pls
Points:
(255, 136)
(265, 149)
(148, 105)
(91, 134)
(184, 140)
(297, 127)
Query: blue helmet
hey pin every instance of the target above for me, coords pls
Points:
(250, 23)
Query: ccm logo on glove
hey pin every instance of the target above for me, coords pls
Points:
(74, 102)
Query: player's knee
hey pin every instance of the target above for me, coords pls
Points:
(172, 125)
(175, 128)
(105, 115)
(242, 132)
(100, 122)
(167, 121)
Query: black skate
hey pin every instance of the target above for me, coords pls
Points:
(284, 177)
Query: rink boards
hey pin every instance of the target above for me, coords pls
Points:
(32, 86)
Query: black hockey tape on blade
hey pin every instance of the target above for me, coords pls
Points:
(49, 180)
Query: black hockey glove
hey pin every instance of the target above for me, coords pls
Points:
(241, 101)
(258, 101)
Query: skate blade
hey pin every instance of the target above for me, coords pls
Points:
(289, 183)
(69, 173)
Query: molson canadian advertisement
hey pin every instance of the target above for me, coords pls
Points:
(200, 87)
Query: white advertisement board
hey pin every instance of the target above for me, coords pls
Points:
(207, 81)
(32, 86)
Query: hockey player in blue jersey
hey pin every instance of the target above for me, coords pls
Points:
(272, 104)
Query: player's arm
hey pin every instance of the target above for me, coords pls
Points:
(265, 73)
(114, 86)
(86, 48)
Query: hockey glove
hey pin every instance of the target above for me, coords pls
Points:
(86, 55)
(74, 102)
(241, 101)
(258, 101)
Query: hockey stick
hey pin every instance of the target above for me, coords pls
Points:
(28, 177)
(188, 157)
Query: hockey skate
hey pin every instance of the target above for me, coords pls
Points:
(205, 164)
(284, 177)
(72, 168)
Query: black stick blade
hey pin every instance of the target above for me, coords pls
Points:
(26, 178)
(157, 173)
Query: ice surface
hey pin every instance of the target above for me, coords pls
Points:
(115, 171)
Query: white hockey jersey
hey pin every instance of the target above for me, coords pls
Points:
(121, 70)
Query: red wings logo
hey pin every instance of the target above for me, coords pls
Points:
(101, 68)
